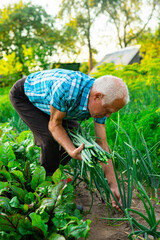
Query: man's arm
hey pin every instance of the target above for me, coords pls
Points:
(100, 133)
(60, 134)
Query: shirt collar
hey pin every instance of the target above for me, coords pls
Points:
(85, 95)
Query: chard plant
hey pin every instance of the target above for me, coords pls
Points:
(33, 205)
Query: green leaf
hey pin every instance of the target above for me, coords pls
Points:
(57, 176)
(19, 192)
(27, 172)
(29, 198)
(43, 187)
(15, 203)
(45, 217)
(33, 153)
(57, 190)
(19, 177)
(5, 204)
(24, 135)
(68, 193)
(14, 165)
(46, 204)
(38, 177)
(25, 228)
(5, 174)
(25, 207)
(4, 187)
(10, 236)
(55, 198)
(78, 231)
(59, 222)
(6, 153)
(10, 223)
(56, 236)
(39, 223)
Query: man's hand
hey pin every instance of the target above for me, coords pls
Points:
(116, 193)
(60, 134)
(76, 154)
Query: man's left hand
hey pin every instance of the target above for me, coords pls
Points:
(116, 193)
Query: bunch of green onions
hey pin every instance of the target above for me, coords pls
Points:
(92, 153)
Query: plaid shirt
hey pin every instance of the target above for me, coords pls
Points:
(65, 90)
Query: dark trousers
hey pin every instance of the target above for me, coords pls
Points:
(52, 154)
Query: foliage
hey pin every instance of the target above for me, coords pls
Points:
(127, 18)
(31, 204)
(92, 154)
(85, 66)
(151, 229)
(10, 69)
(28, 38)
(6, 111)
(82, 18)
(143, 110)
(29, 25)
(132, 165)
(150, 44)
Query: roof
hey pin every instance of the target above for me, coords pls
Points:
(124, 56)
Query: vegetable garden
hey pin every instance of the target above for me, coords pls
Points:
(36, 206)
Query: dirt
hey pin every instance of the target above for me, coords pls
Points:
(102, 229)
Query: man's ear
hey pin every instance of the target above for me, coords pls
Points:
(98, 96)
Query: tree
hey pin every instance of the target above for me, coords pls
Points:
(10, 69)
(81, 14)
(150, 44)
(127, 17)
(27, 27)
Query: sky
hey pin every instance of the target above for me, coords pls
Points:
(51, 6)
(104, 43)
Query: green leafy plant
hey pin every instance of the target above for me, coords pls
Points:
(33, 205)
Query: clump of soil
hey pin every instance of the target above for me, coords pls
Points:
(102, 229)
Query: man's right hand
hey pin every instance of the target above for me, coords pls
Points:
(60, 134)
(76, 154)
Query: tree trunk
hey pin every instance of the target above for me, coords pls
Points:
(90, 57)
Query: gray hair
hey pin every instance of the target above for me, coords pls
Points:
(112, 88)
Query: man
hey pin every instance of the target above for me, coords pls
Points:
(51, 101)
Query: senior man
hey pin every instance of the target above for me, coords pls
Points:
(51, 101)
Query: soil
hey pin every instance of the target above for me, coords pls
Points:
(102, 229)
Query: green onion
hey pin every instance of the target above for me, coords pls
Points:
(92, 152)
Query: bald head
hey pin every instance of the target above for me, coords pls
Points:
(112, 88)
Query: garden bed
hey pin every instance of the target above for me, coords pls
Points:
(103, 229)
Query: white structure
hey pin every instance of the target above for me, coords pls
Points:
(124, 56)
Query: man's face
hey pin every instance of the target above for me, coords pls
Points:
(98, 110)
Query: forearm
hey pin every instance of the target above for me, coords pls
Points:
(61, 136)
(108, 169)
(109, 172)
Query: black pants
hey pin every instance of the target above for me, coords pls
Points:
(52, 154)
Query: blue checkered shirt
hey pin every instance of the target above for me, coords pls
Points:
(65, 90)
